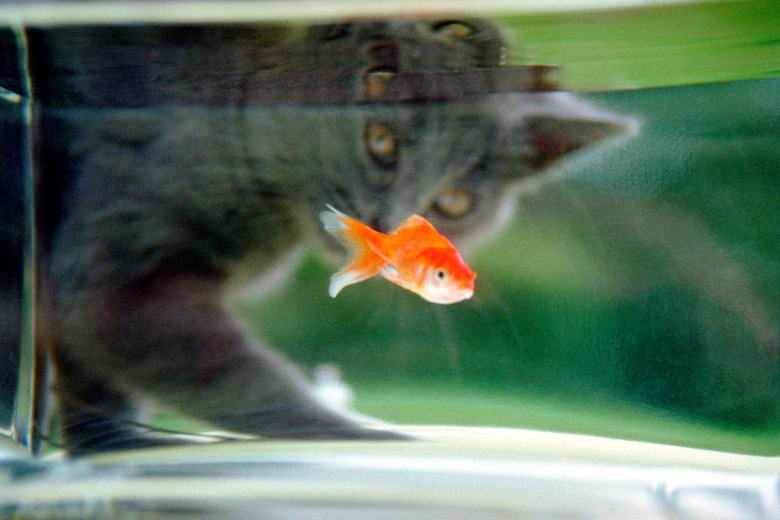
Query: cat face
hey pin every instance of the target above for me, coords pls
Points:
(382, 165)
(402, 45)
(460, 165)
(530, 133)
(456, 163)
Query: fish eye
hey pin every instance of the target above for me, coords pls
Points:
(454, 203)
(440, 275)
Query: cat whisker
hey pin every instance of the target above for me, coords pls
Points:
(490, 298)
(451, 344)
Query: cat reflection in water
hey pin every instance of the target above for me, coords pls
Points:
(170, 210)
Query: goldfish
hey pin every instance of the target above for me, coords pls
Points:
(413, 255)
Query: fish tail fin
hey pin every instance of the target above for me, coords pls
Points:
(332, 220)
(364, 262)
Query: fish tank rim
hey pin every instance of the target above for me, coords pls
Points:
(86, 12)
(471, 472)
(488, 442)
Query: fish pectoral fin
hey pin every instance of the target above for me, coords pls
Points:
(390, 272)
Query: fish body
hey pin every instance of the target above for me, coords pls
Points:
(414, 255)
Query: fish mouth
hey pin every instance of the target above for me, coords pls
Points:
(456, 295)
(464, 293)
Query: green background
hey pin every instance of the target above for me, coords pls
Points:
(655, 45)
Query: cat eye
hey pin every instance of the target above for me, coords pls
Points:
(383, 65)
(453, 30)
(454, 203)
(381, 144)
(375, 81)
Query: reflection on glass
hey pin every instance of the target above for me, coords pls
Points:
(15, 294)
(11, 257)
(624, 242)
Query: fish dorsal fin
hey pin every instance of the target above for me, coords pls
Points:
(413, 222)
(422, 231)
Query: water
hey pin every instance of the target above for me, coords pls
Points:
(644, 274)
(624, 240)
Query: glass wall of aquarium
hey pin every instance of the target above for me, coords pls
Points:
(266, 231)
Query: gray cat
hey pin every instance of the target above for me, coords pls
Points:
(154, 216)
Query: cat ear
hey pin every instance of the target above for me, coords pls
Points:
(552, 137)
(538, 129)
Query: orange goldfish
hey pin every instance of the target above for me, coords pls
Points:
(414, 255)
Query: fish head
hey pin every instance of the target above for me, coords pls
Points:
(445, 276)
